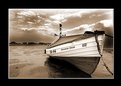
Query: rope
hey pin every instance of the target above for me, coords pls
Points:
(98, 47)
(108, 36)
(106, 67)
(101, 55)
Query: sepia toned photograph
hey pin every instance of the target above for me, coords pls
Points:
(61, 43)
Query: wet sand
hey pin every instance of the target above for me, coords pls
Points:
(31, 62)
(101, 71)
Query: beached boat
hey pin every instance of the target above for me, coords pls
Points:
(83, 50)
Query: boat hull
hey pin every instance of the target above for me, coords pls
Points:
(82, 53)
(81, 48)
(87, 65)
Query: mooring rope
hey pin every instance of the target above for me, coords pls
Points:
(108, 35)
(101, 55)
(106, 66)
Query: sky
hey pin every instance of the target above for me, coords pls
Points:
(41, 25)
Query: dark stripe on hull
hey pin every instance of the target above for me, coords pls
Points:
(86, 64)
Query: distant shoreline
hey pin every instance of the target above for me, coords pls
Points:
(26, 44)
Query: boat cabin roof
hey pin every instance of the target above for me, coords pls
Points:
(68, 39)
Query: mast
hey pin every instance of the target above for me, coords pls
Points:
(60, 25)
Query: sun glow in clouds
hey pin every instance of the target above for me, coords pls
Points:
(44, 23)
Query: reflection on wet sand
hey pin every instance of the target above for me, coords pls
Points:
(63, 69)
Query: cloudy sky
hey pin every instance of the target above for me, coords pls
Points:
(40, 25)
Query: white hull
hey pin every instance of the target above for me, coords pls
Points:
(81, 48)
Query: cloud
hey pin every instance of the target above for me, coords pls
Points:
(104, 25)
(27, 13)
(73, 21)
(76, 19)
(30, 36)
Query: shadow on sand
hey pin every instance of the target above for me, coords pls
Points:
(63, 69)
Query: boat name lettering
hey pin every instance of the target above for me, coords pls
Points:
(84, 45)
(72, 47)
(53, 51)
(68, 48)
(64, 48)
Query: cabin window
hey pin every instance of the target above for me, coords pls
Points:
(84, 45)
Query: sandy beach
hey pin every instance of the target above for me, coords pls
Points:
(31, 62)
(101, 71)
